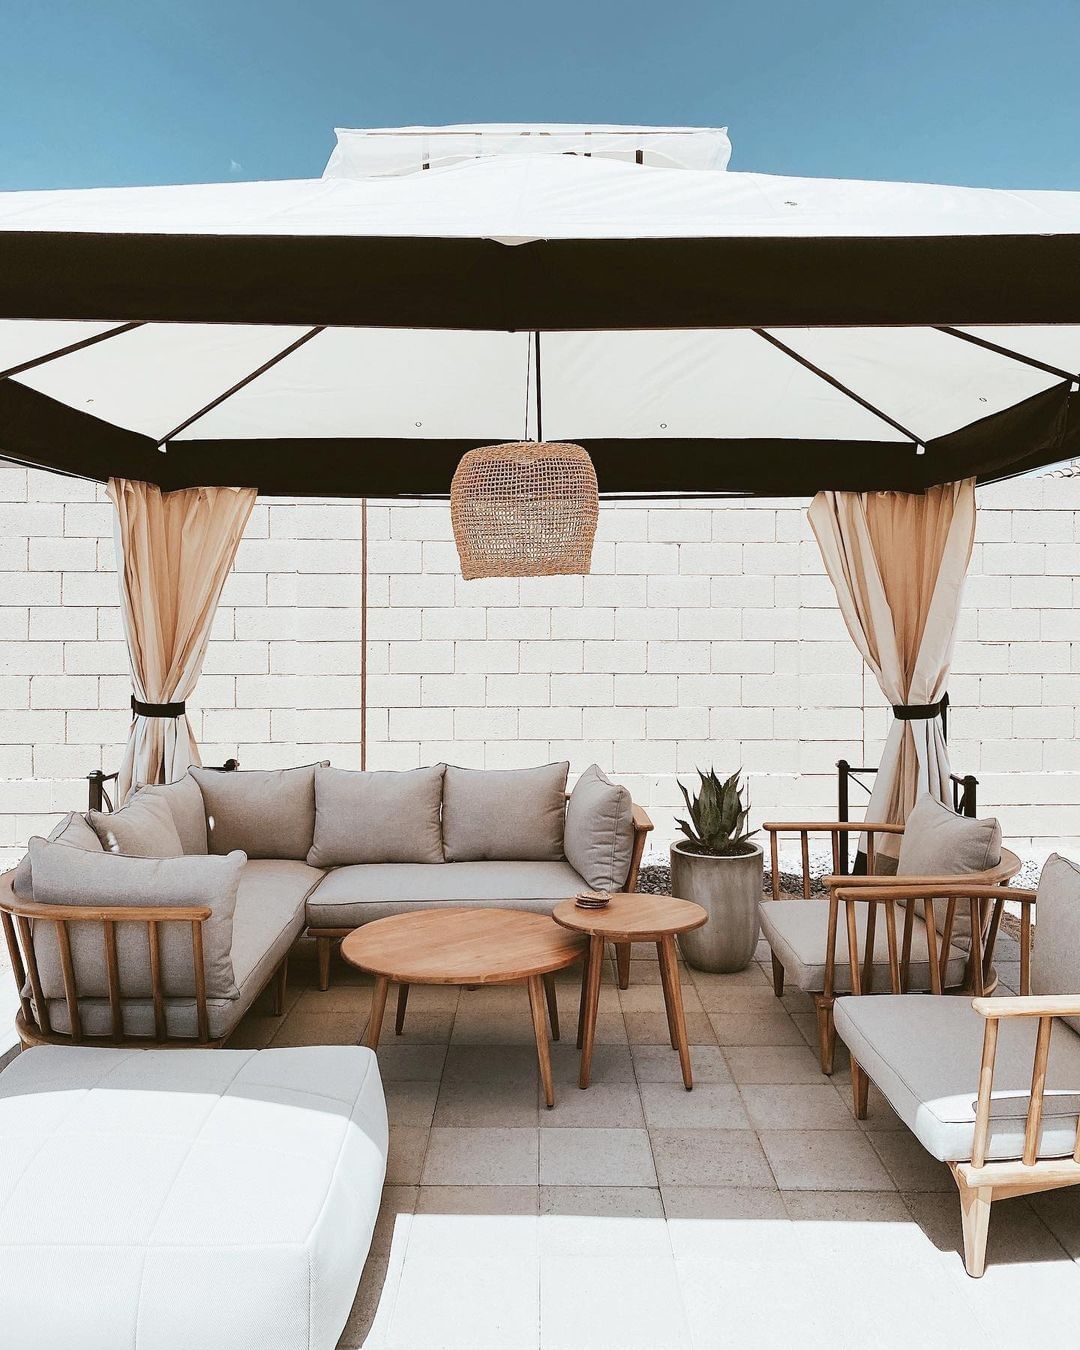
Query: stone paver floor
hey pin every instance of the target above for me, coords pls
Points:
(754, 1211)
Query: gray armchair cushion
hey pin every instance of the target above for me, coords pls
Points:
(64, 875)
(268, 813)
(185, 802)
(504, 814)
(142, 829)
(598, 838)
(378, 817)
(1055, 956)
(75, 830)
(924, 1055)
(939, 843)
(798, 933)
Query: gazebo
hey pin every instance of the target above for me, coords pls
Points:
(885, 346)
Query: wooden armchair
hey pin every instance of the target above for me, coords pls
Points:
(111, 1024)
(937, 1061)
(802, 932)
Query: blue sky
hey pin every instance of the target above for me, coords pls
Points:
(103, 92)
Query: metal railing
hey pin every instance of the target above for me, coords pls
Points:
(964, 794)
(100, 798)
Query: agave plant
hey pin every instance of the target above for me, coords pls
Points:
(717, 822)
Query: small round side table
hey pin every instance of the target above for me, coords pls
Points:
(632, 918)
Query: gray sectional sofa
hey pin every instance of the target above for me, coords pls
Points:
(165, 920)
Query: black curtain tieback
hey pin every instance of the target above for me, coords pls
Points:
(157, 709)
(923, 712)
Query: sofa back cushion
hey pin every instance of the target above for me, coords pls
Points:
(185, 803)
(142, 829)
(505, 815)
(384, 816)
(599, 835)
(268, 813)
(939, 843)
(64, 875)
(75, 830)
(1055, 955)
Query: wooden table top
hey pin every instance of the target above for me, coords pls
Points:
(462, 946)
(632, 917)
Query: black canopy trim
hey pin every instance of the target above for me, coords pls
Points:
(1041, 430)
(413, 282)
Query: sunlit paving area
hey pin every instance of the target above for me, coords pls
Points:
(635, 1214)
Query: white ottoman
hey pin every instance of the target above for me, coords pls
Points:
(186, 1199)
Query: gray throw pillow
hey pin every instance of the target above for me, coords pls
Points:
(70, 876)
(939, 843)
(185, 802)
(74, 830)
(504, 815)
(268, 813)
(142, 829)
(1055, 956)
(599, 837)
(377, 817)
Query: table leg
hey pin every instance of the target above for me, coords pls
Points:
(378, 1007)
(673, 998)
(584, 998)
(622, 963)
(552, 1005)
(402, 1002)
(592, 1002)
(664, 981)
(543, 1050)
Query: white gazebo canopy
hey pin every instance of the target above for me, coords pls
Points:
(697, 330)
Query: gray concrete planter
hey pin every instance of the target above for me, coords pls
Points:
(729, 889)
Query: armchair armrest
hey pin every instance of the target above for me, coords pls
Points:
(1045, 1007)
(1028, 1005)
(835, 829)
(642, 826)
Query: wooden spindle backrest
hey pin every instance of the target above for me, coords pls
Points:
(18, 919)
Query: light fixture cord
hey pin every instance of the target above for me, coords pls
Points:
(528, 375)
(539, 419)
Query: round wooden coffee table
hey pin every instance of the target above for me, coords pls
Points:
(471, 947)
(632, 918)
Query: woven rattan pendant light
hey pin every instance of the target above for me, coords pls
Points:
(526, 508)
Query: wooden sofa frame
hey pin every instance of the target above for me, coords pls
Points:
(326, 937)
(980, 1182)
(1007, 867)
(32, 1020)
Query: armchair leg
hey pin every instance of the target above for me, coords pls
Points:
(777, 976)
(622, 963)
(322, 947)
(860, 1089)
(975, 1202)
(826, 1032)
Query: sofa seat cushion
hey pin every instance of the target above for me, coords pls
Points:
(267, 920)
(798, 933)
(351, 896)
(153, 1198)
(924, 1055)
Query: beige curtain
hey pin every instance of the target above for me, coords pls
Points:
(174, 551)
(897, 561)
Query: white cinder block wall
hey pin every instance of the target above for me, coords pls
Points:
(707, 634)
